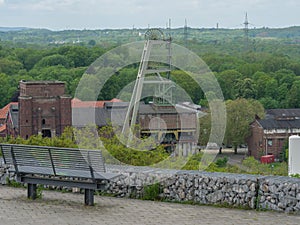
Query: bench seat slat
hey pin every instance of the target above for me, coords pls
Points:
(57, 166)
(63, 162)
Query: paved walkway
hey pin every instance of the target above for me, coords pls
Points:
(67, 208)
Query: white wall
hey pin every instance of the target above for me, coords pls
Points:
(294, 154)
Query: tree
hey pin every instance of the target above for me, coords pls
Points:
(28, 57)
(92, 42)
(10, 67)
(282, 93)
(87, 89)
(54, 60)
(293, 96)
(285, 76)
(274, 63)
(248, 69)
(246, 89)
(227, 79)
(269, 103)
(265, 84)
(6, 89)
(188, 84)
(205, 128)
(79, 56)
(240, 113)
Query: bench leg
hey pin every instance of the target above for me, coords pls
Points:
(31, 191)
(89, 197)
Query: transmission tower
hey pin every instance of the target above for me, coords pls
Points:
(185, 33)
(246, 30)
(169, 28)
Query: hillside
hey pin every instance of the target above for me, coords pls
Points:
(44, 36)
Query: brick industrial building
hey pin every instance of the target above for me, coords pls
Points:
(43, 108)
(171, 125)
(269, 135)
(4, 112)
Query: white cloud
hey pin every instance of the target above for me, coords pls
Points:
(44, 5)
(59, 14)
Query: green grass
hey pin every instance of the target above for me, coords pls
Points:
(248, 166)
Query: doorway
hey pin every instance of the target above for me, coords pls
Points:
(46, 133)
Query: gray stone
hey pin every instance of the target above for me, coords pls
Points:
(265, 188)
(253, 187)
(181, 195)
(273, 189)
(215, 197)
(297, 207)
(252, 203)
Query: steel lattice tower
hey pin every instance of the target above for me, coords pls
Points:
(185, 33)
(163, 93)
(246, 30)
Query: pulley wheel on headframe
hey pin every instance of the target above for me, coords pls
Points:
(154, 34)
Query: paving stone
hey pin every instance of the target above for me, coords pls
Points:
(67, 208)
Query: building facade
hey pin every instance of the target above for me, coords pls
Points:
(268, 136)
(44, 108)
(4, 112)
(176, 127)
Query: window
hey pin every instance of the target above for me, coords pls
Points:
(43, 121)
(270, 142)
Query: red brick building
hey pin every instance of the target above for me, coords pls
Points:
(269, 135)
(171, 125)
(12, 121)
(3, 118)
(43, 108)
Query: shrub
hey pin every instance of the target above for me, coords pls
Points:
(222, 162)
(152, 192)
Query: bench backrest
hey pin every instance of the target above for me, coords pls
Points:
(53, 160)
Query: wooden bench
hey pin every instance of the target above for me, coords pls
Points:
(65, 167)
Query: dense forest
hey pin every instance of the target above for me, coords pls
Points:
(266, 68)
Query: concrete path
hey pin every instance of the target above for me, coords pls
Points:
(67, 208)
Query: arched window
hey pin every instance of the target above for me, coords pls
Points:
(43, 121)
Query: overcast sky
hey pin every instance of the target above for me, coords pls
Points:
(100, 14)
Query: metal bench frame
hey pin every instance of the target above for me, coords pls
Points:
(65, 167)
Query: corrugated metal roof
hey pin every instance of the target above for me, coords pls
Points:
(282, 113)
(152, 109)
(279, 124)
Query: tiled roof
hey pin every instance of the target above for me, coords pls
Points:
(4, 110)
(2, 128)
(116, 100)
